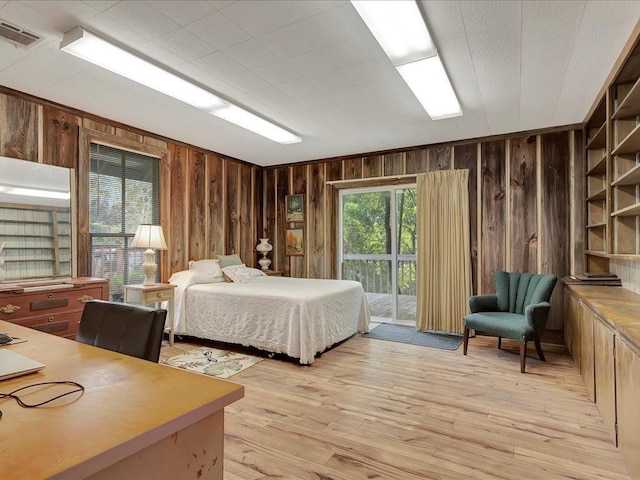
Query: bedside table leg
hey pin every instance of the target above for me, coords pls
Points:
(171, 322)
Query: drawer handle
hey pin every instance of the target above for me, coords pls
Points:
(160, 295)
(85, 298)
(8, 308)
(50, 319)
(49, 295)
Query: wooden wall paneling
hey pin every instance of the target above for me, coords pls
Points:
(155, 142)
(60, 138)
(257, 199)
(299, 180)
(270, 225)
(128, 134)
(98, 126)
(333, 171)
(372, 166)
(417, 161)
(466, 156)
(82, 204)
(178, 231)
(282, 188)
(316, 221)
(493, 213)
(248, 239)
(196, 196)
(216, 207)
(523, 213)
(554, 230)
(578, 222)
(439, 158)
(232, 213)
(352, 168)
(394, 163)
(165, 214)
(18, 128)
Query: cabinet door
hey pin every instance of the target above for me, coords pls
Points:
(586, 351)
(603, 343)
(575, 322)
(628, 410)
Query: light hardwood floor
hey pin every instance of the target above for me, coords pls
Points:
(372, 409)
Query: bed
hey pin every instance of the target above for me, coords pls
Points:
(297, 317)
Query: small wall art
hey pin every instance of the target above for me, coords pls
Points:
(294, 242)
(295, 208)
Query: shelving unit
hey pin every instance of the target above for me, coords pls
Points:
(613, 169)
(37, 241)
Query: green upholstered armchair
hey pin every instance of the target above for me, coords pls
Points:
(518, 310)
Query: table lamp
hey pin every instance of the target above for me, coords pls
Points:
(149, 237)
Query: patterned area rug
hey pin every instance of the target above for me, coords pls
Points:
(214, 362)
(400, 334)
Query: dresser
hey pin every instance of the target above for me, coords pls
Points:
(52, 307)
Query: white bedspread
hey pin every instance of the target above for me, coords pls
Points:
(298, 317)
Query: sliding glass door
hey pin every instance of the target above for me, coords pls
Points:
(378, 248)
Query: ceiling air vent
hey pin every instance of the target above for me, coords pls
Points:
(16, 35)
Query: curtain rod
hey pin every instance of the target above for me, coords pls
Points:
(408, 176)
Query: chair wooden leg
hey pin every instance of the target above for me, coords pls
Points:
(523, 356)
(465, 341)
(499, 343)
(539, 350)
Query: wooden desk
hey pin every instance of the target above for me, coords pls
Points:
(136, 419)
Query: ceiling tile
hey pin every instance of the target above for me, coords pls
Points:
(346, 53)
(504, 41)
(183, 12)
(309, 64)
(220, 64)
(562, 23)
(185, 44)
(298, 88)
(600, 14)
(278, 73)
(101, 5)
(248, 81)
(483, 15)
(444, 19)
(546, 8)
(142, 19)
(218, 31)
(93, 81)
(259, 17)
(251, 54)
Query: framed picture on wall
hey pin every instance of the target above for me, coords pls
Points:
(294, 244)
(295, 208)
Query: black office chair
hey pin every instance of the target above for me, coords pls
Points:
(130, 329)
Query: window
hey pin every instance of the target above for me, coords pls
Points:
(124, 191)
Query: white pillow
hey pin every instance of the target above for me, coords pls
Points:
(240, 274)
(256, 272)
(192, 277)
(210, 266)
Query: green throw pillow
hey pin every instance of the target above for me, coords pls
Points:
(228, 260)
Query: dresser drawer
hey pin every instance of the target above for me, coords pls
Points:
(32, 304)
(62, 324)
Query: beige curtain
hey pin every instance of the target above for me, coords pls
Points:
(443, 256)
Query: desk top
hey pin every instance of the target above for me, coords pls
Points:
(128, 404)
(618, 306)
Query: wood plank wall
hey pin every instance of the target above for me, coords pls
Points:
(519, 188)
(211, 204)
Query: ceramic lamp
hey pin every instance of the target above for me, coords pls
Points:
(264, 247)
(149, 237)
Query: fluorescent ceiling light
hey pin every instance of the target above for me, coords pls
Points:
(248, 120)
(35, 192)
(92, 48)
(401, 32)
(399, 28)
(428, 81)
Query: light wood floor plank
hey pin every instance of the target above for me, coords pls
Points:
(371, 409)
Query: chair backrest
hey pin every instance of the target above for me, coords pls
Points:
(516, 290)
(130, 329)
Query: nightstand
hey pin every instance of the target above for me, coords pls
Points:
(274, 273)
(153, 294)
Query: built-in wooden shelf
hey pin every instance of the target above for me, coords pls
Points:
(599, 138)
(632, 177)
(630, 143)
(629, 106)
(599, 195)
(597, 225)
(599, 167)
(597, 253)
(630, 211)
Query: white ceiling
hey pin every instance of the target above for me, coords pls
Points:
(314, 68)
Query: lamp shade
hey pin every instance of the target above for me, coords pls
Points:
(149, 236)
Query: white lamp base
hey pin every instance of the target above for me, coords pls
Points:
(149, 267)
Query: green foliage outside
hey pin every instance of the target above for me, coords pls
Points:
(366, 231)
